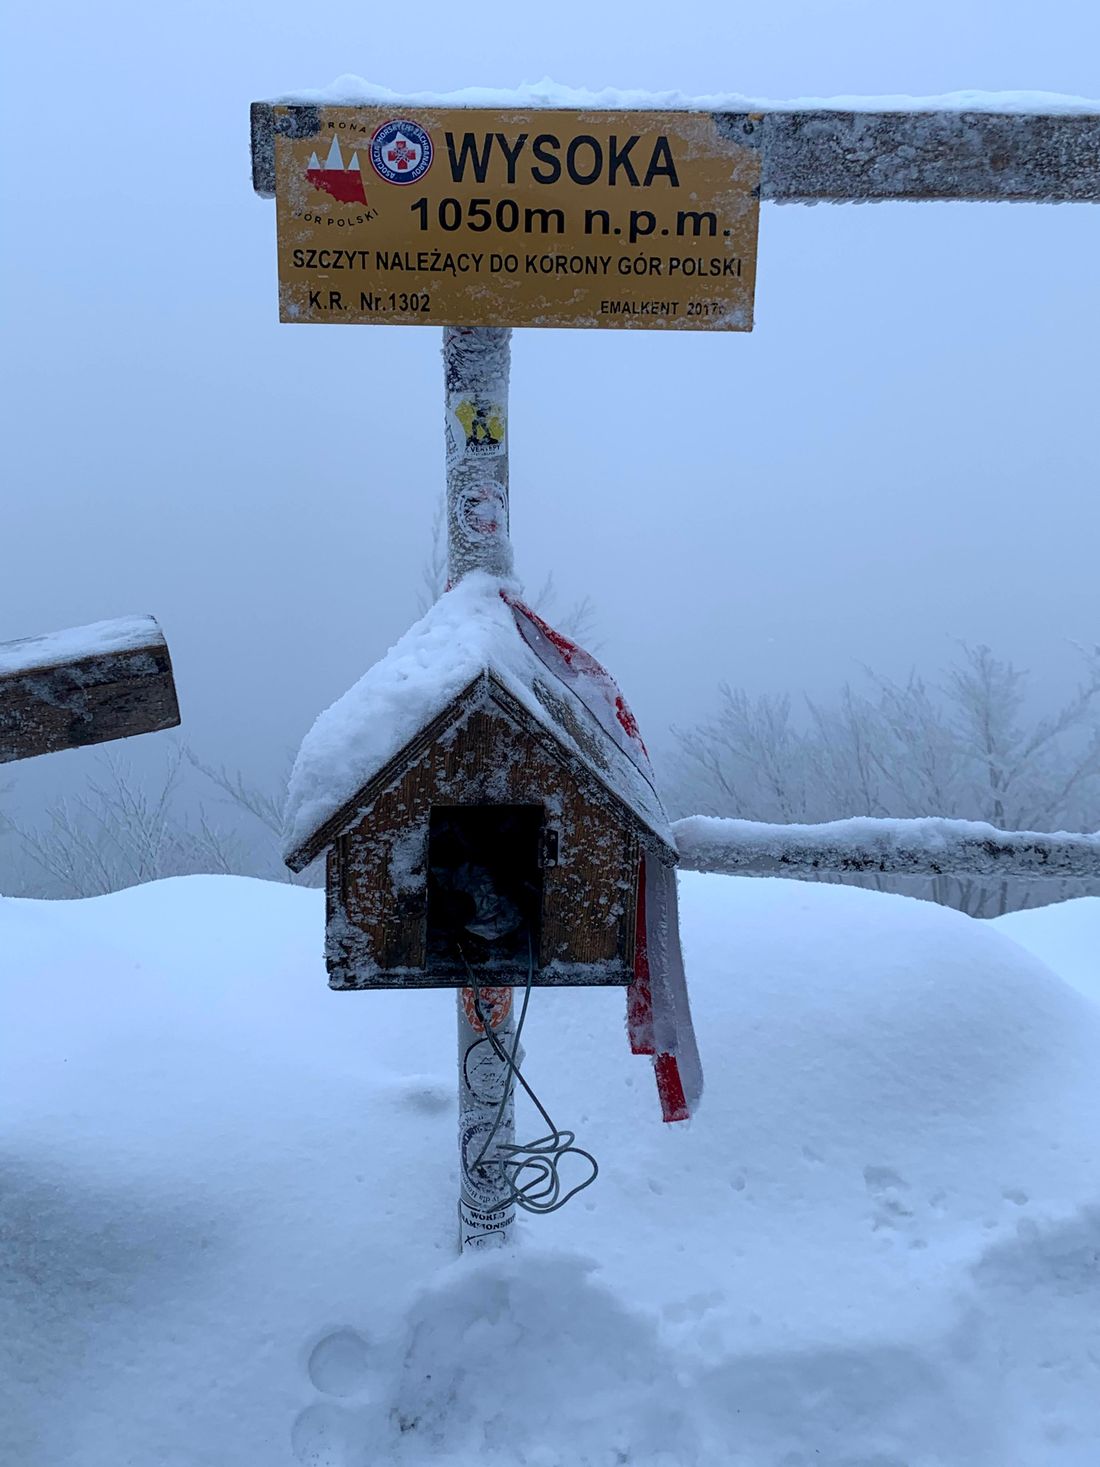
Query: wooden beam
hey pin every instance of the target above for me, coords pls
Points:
(83, 686)
(930, 847)
(855, 156)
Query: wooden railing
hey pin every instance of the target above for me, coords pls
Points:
(929, 847)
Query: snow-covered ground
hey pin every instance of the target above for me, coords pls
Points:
(1067, 938)
(227, 1216)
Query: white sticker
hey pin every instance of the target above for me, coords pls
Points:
(482, 510)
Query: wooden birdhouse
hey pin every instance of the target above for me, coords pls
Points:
(483, 800)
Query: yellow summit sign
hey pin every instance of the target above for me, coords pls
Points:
(472, 217)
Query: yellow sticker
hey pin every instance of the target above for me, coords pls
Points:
(475, 427)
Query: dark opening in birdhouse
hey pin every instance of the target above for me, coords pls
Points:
(484, 886)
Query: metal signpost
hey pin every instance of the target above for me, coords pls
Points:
(477, 220)
(476, 362)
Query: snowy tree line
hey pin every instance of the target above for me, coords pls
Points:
(963, 746)
(126, 827)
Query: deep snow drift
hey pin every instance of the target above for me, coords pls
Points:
(228, 1203)
(1067, 938)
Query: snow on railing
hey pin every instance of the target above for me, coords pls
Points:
(928, 847)
(85, 685)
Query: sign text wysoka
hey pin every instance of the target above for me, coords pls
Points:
(474, 217)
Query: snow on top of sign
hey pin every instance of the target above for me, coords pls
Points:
(470, 630)
(98, 639)
(354, 90)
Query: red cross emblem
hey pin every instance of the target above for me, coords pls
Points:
(402, 154)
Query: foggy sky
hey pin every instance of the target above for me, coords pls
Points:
(902, 454)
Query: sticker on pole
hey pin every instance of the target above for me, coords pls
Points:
(496, 1005)
(482, 217)
(476, 427)
(481, 511)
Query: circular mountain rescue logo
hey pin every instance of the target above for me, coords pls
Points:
(401, 151)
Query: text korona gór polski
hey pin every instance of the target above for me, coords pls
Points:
(473, 262)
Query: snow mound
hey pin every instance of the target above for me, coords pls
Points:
(225, 1184)
(508, 1357)
(1065, 935)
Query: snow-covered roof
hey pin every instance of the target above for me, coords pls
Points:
(352, 90)
(472, 630)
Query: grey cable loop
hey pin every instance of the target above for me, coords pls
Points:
(542, 1193)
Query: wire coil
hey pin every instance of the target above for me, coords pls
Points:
(531, 1170)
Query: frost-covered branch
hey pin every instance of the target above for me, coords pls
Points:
(969, 745)
(126, 827)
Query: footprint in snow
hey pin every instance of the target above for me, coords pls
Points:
(428, 1096)
(888, 1191)
(339, 1365)
(326, 1436)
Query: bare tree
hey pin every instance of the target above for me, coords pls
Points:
(748, 757)
(963, 747)
(433, 573)
(120, 832)
(577, 621)
(269, 811)
(123, 830)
